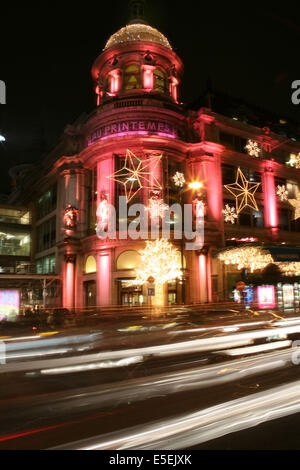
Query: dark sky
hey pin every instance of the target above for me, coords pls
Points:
(250, 50)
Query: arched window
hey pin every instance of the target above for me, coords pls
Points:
(160, 81)
(128, 260)
(90, 265)
(132, 77)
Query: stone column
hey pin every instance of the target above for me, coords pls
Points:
(104, 278)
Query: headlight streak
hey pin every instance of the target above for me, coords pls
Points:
(185, 347)
(92, 398)
(256, 349)
(195, 428)
(101, 365)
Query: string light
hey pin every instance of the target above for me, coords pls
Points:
(253, 148)
(159, 260)
(138, 32)
(251, 258)
(243, 191)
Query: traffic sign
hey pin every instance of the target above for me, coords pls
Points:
(240, 286)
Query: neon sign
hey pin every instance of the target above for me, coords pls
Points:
(266, 297)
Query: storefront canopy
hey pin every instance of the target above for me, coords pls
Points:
(284, 253)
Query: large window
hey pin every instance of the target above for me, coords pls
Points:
(47, 203)
(132, 77)
(14, 243)
(46, 265)
(160, 81)
(46, 235)
(233, 142)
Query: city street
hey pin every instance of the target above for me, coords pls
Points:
(180, 378)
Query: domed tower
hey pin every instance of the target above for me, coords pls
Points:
(138, 125)
(137, 60)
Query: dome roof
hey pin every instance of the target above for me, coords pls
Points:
(137, 32)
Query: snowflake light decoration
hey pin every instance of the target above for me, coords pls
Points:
(179, 179)
(244, 192)
(253, 148)
(136, 171)
(294, 161)
(230, 214)
(282, 193)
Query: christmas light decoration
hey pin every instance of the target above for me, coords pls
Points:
(230, 214)
(294, 161)
(251, 258)
(134, 173)
(179, 179)
(199, 208)
(290, 269)
(157, 207)
(244, 192)
(70, 217)
(296, 204)
(137, 32)
(159, 260)
(103, 212)
(253, 148)
(282, 193)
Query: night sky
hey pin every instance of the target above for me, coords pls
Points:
(249, 50)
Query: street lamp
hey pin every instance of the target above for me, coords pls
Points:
(195, 185)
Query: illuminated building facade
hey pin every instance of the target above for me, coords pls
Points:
(241, 164)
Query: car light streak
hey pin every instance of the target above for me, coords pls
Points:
(101, 365)
(257, 348)
(204, 425)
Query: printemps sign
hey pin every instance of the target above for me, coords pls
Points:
(134, 126)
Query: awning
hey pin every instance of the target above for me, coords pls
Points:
(284, 253)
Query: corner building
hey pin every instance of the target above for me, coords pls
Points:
(137, 80)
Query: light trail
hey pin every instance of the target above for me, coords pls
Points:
(207, 424)
(185, 347)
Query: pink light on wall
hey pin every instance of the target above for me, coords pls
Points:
(103, 279)
(203, 278)
(148, 77)
(174, 89)
(69, 285)
(271, 213)
(115, 82)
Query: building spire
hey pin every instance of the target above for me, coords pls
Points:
(137, 11)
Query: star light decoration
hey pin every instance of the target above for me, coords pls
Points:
(253, 148)
(244, 192)
(282, 192)
(179, 179)
(296, 204)
(294, 161)
(137, 171)
(230, 214)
